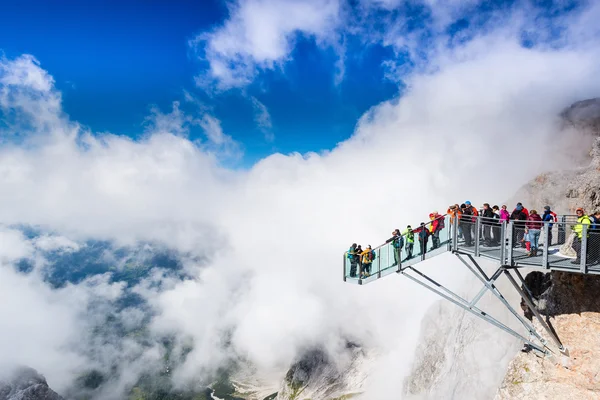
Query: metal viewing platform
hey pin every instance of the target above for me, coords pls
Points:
(499, 243)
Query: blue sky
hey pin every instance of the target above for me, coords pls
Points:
(114, 60)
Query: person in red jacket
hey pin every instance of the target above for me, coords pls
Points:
(437, 224)
(523, 209)
(534, 224)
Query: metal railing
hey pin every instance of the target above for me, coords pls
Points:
(389, 259)
(564, 245)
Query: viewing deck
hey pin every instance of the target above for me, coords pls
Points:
(508, 253)
(500, 243)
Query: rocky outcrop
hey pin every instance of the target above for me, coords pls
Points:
(572, 305)
(26, 384)
(584, 116)
(316, 376)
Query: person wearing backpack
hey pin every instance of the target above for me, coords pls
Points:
(397, 243)
(423, 235)
(353, 256)
(410, 242)
(367, 260)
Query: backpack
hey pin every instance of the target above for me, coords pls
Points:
(399, 242)
(351, 254)
(373, 255)
(441, 223)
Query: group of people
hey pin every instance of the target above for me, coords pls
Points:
(399, 240)
(528, 225)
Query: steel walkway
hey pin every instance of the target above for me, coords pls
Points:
(502, 247)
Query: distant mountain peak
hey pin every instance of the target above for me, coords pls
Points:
(25, 383)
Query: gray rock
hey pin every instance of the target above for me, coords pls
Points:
(26, 384)
(584, 115)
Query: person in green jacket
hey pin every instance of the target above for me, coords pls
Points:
(397, 243)
(582, 219)
(410, 241)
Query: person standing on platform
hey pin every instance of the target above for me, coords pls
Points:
(466, 221)
(496, 229)
(353, 258)
(551, 218)
(423, 234)
(397, 243)
(582, 220)
(410, 241)
(534, 225)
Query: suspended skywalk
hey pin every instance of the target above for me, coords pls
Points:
(498, 243)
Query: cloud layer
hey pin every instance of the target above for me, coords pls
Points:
(271, 236)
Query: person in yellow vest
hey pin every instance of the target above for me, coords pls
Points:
(582, 219)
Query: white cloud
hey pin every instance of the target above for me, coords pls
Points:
(272, 236)
(217, 139)
(263, 119)
(13, 245)
(260, 34)
(51, 243)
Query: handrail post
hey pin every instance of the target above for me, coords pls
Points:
(477, 234)
(583, 250)
(360, 271)
(545, 263)
(502, 243)
(454, 233)
(509, 247)
(378, 262)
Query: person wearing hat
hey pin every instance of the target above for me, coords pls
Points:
(550, 218)
(410, 241)
(582, 220)
(475, 214)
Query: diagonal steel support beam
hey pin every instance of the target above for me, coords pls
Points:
(485, 288)
(489, 284)
(533, 308)
(473, 310)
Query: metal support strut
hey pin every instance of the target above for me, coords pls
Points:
(488, 285)
(529, 301)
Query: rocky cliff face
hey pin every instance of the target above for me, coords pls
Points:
(571, 302)
(461, 358)
(572, 305)
(568, 189)
(26, 384)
